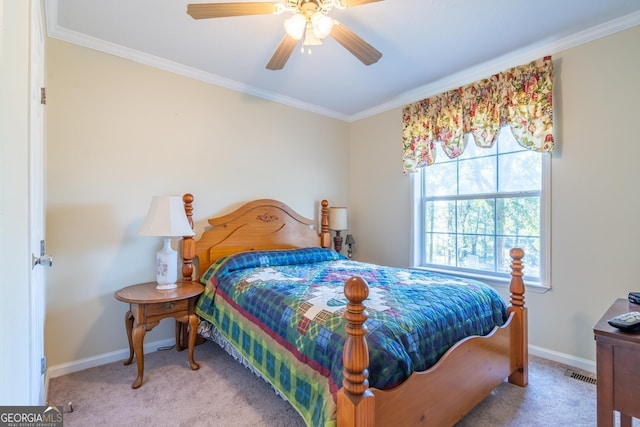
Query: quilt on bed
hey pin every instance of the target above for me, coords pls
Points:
(283, 312)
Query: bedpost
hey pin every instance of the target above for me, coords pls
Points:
(520, 349)
(356, 403)
(325, 235)
(188, 244)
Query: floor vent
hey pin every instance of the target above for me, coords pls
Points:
(580, 377)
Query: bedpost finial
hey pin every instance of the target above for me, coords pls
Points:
(516, 253)
(516, 287)
(355, 356)
(187, 200)
(325, 235)
(356, 290)
(188, 244)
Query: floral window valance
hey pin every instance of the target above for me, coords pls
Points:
(520, 97)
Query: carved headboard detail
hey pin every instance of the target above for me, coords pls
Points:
(263, 224)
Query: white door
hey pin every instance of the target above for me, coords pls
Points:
(36, 196)
(21, 203)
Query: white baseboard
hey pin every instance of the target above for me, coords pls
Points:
(46, 388)
(114, 356)
(567, 359)
(103, 359)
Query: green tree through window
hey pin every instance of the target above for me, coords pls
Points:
(476, 207)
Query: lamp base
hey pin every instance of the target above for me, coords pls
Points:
(337, 241)
(166, 267)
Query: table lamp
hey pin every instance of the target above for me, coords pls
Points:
(350, 241)
(166, 218)
(337, 223)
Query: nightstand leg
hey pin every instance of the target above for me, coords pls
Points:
(138, 338)
(193, 324)
(128, 325)
(179, 336)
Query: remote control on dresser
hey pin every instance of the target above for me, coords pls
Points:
(627, 322)
(634, 297)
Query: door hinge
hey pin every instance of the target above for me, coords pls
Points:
(43, 95)
(43, 365)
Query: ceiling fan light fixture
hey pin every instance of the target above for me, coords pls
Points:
(295, 26)
(322, 25)
(309, 22)
(310, 37)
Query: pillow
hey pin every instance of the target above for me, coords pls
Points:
(252, 259)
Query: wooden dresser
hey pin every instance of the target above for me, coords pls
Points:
(618, 368)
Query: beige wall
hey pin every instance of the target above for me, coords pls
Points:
(120, 132)
(595, 196)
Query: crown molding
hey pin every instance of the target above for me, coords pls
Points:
(80, 39)
(512, 59)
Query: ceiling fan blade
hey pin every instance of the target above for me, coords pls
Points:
(352, 3)
(223, 10)
(282, 53)
(354, 44)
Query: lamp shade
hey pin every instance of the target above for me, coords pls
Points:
(166, 218)
(338, 218)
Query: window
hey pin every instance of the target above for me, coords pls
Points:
(473, 209)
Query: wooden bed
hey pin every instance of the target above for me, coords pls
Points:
(439, 396)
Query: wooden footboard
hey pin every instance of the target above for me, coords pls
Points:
(443, 394)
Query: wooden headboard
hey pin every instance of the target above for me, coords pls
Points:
(258, 225)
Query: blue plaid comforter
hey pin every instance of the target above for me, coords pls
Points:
(283, 311)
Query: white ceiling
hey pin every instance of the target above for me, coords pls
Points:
(427, 45)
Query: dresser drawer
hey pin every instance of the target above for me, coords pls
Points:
(167, 307)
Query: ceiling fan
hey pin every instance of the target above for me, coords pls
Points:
(310, 23)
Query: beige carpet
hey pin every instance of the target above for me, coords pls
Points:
(224, 393)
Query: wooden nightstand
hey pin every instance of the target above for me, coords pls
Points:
(618, 368)
(147, 306)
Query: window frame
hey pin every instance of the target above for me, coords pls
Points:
(543, 284)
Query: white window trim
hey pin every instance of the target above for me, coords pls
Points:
(542, 286)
